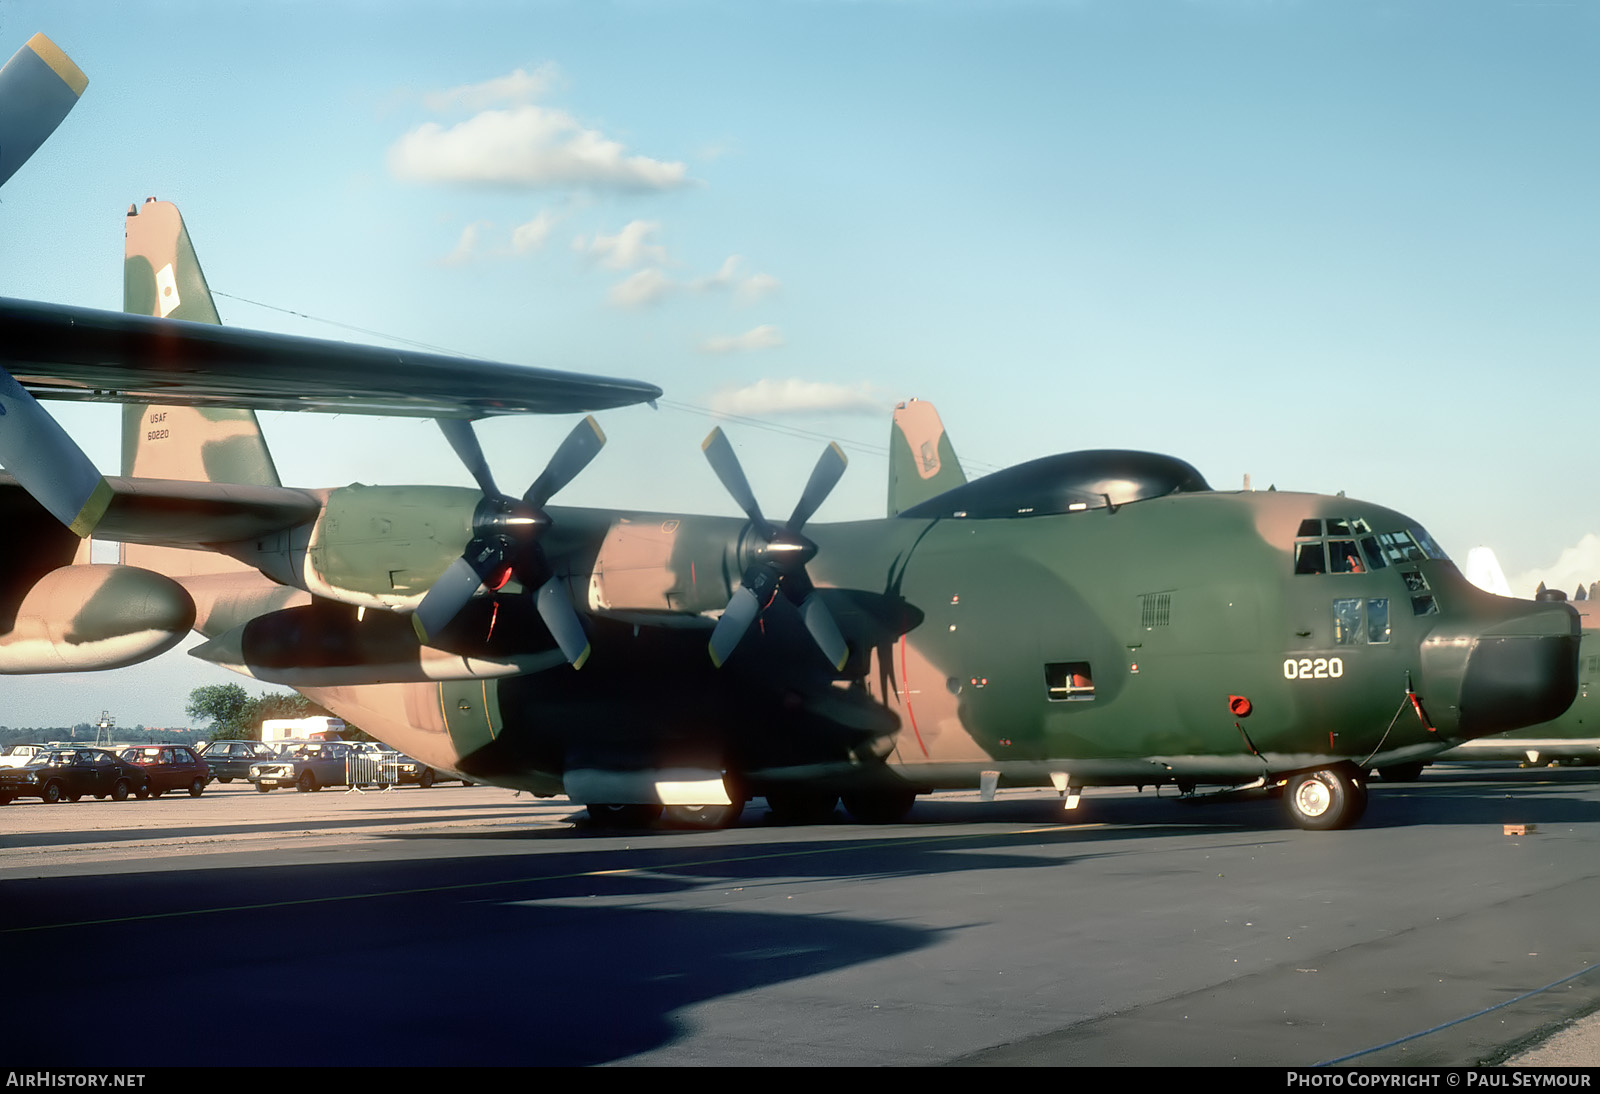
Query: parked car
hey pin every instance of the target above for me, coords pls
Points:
(17, 755)
(169, 767)
(70, 773)
(229, 760)
(419, 773)
(310, 765)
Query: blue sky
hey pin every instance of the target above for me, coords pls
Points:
(1337, 246)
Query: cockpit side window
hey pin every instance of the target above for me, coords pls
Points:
(1309, 558)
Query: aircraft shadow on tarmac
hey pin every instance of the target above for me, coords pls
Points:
(433, 961)
(551, 956)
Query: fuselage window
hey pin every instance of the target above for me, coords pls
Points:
(1068, 681)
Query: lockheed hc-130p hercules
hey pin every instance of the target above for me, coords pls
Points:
(1093, 618)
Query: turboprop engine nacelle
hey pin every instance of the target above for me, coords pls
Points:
(84, 618)
(374, 546)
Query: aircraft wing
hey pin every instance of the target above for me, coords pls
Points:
(171, 513)
(60, 352)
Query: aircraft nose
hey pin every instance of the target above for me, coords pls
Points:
(1518, 670)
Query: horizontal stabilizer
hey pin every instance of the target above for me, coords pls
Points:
(61, 352)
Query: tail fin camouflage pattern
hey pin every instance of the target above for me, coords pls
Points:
(922, 462)
(162, 277)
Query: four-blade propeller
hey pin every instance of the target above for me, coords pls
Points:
(778, 563)
(505, 540)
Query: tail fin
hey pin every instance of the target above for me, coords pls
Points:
(922, 462)
(162, 277)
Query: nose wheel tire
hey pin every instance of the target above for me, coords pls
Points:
(1321, 801)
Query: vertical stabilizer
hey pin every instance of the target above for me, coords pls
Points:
(922, 462)
(162, 277)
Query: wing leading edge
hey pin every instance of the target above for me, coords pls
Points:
(56, 351)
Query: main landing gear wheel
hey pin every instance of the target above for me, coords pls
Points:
(705, 817)
(879, 806)
(623, 816)
(1321, 801)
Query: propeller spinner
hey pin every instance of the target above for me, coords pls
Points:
(505, 541)
(779, 563)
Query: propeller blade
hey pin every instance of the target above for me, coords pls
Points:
(555, 608)
(725, 463)
(824, 631)
(824, 477)
(582, 445)
(457, 585)
(464, 440)
(39, 86)
(48, 463)
(736, 619)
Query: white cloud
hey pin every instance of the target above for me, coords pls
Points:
(644, 287)
(765, 336)
(752, 287)
(757, 286)
(521, 86)
(649, 286)
(467, 246)
(532, 235)
(800, 397)
(527, 147)
(627, 249)
(1577, 565)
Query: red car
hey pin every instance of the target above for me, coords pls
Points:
(169, 767)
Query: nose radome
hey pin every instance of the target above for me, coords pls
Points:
(1519, 670)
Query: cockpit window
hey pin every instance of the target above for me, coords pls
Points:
(1348, 546)
(1342, 557)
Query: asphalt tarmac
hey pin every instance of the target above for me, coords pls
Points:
(469, 926)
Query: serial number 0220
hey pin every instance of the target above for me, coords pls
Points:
(1313, 668)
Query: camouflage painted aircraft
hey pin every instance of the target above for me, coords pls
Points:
(1086, 619)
